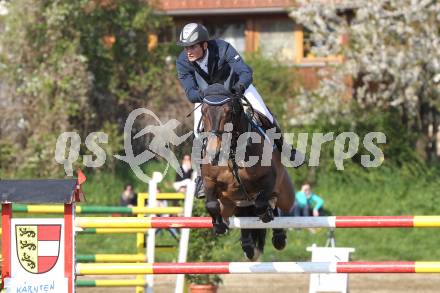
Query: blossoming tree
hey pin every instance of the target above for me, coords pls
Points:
(391, 56)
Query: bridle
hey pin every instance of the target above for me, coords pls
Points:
(237, 111)
(237, 108)
(238, 103)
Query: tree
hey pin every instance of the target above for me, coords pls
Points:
(45, 82)
(74, 66)
(392, 57)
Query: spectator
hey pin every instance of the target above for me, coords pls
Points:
(128, 196)
(306, 203)
(182, 181)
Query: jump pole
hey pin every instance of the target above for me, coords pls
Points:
(151, 237)
(165, 195)
(59, 209)
(112, 231)
(110, 283)
(184, 236)
(111, 258)
(140, 242)
(255, 223)
(256, 268)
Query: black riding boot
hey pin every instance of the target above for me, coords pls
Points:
(200, 190)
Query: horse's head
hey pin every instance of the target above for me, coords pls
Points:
(219, 108)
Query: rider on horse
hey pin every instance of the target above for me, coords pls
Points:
(205, 62)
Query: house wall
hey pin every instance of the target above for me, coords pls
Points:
(212, 4)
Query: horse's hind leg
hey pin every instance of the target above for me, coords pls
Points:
(278, 235)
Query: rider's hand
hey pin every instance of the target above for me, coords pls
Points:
(239, 88)
(315, 213)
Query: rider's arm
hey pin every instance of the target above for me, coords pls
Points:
(236, 62)
(187, 80)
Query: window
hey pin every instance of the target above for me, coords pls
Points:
(232, 33)
(306, 54)
(308, 43)
(277, 39)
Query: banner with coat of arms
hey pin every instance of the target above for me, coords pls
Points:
(37, 254)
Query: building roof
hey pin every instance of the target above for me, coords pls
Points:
(199, 7)
(210, 7)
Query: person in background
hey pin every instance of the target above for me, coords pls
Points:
(128, 196)
(182, 181)
(307, 203)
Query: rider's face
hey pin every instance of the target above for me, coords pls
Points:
(195, 52)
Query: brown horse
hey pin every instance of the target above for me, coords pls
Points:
(233, 188)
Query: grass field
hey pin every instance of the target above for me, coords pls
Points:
(382, 191)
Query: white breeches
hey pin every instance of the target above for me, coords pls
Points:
(254, 98)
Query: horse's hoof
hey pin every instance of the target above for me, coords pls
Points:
(250, 252)
(279, 240)
(220, 229)
(267, 216)
(257, 254)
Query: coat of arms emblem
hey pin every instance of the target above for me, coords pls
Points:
(38, 247)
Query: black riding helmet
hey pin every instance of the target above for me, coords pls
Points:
(193, 33)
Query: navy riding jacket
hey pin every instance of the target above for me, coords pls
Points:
(225, 65)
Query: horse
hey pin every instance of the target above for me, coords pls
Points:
(233, 188)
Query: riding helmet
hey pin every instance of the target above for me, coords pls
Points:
(191, 34)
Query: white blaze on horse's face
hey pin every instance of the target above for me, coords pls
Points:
(213, 146)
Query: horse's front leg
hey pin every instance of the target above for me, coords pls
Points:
(212, 205)
(279, 237)
(264, 205)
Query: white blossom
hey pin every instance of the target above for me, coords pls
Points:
(393, 53)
